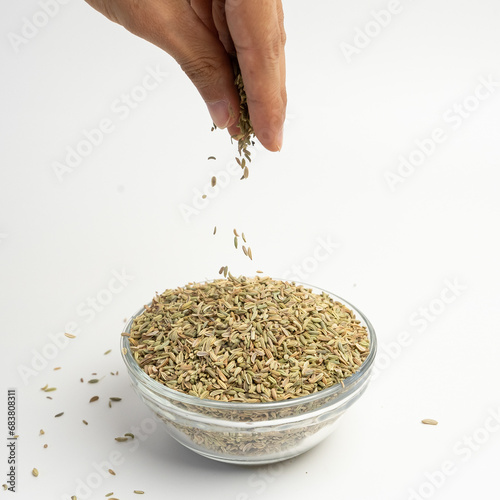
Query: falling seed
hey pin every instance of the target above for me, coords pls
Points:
(45, 445)
(211, 158)
(260, 272)
(85, 422)
(225, 271)
(115, 399)
(81, 380)
(121, 439)
(59, 414)
(74, 497)
(244, 248)
(42, 432)
(4, 486)
(250, 253)
(70, 336)
(139, 492)
(221, 270)
(109, 404)
(16, 436)
(57, 368)
(236, 233)
(35, 472)
(44, 388)
(48, 397)
(107, 352)
(204, 196)
(112, 472)
(235, 242)
(93, 399)
(94, 373)
(129, 434)
(51, 389)
(429, 421)
(109, 494)
(93, 381)
(243, 236)
(214, 181)
(215, 229)
(245, 173)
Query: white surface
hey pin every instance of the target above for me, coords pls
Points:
(119, 211)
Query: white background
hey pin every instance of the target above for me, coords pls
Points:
(62, 239)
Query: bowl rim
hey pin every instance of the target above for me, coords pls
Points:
(136, 372)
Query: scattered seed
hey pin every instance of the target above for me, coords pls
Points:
(57, 368)
(115, 399)
(45, 445)
(93, 381)
(245, 173)
(42, 432)
(109, 494)
(74, 497)
(59, 414)
(70, 336)
(139, 492)
(129, 434)
(236, 233)
(260, 272)
(35, 472)
(121, 439)
(235, 242)
(81, 380)
(93, 399)
(204, 196)
(112, 472)
(250, 253)
(244, 248)
(44, 388)
(107, 352)
(48, 397)
(221, 270)
(4, 486)
(215, 229)
(211, 158)
(214, 181)
(429, 421)
(85, 422)
(243, 236)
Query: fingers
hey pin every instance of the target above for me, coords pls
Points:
(258, 34)
(220, 21)
(175, 27)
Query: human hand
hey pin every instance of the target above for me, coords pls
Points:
(201, 35)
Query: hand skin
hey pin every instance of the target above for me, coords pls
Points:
(201, 35)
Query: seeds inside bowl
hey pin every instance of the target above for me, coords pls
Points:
(248, 340)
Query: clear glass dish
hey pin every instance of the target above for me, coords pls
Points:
(251, 433)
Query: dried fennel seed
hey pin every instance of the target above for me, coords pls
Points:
(248, 340)
(246, 135)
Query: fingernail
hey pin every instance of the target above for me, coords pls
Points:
(279, 140)
(219, 111)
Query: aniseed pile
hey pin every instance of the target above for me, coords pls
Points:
(247, 339)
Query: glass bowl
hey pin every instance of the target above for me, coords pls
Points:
(251, 433)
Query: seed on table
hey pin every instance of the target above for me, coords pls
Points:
(429, 421)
